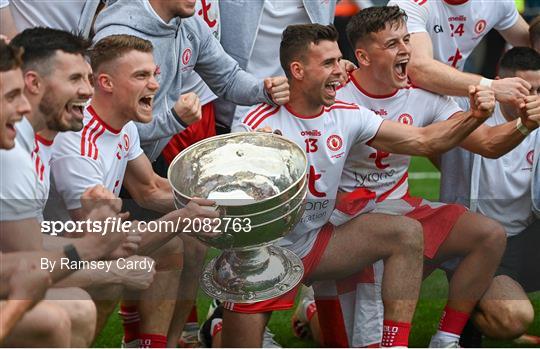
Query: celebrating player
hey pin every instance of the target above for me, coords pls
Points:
(443, 35)
(328, 129)
(107, 152)
(378, 179)
(504, 311)
(55, 74)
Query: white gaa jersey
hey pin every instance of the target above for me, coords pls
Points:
(98, 154)
(455, 30)
(504, 184)
(41, 156)
(380, 173)
(327, 139)
(19, 196)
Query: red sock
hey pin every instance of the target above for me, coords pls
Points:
(395, 334)
(193, 315)
(148, 340)
(453, 321)
(130, 322)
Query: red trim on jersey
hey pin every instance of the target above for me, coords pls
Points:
(455, 2)
(340, 106)
(95, 115)
(264, 117)
(41, 172)
(357, 84)
(43, 141)
(37, 162)
(83, 137)
(97, 127)
(289, 109)
(338, 101)
(36, 148)
(398, 184)
(94, 142)
(255, 113)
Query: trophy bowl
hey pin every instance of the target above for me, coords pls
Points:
(258, 181)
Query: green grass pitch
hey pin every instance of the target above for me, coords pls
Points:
(432, 298)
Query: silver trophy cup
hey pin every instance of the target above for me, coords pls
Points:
(258, 181)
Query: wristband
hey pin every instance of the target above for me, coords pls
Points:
(71, 253)
(485, 82)
(177, 117)
(522, 128)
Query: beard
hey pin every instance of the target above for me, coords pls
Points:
(52, 111)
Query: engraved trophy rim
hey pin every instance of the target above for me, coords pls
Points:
(201, 143)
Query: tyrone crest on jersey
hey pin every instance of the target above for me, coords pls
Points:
(406, 119)
(334, 142)
(530, 157)
(186, 58)
(480, 26)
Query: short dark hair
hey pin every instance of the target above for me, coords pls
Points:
(534, 30)
(10, 56)
(519, 58)
(373, 20)
(296, 39)
(115, 46)
(41, 44)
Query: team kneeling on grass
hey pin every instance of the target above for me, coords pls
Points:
(70, 143)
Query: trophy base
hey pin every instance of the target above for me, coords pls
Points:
(254, 275)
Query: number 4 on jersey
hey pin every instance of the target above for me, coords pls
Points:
(457, 31)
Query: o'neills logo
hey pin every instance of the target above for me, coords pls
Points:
(460, 18)
(380, 112)
(312, 133)
(186, 56)
(480, 26)
(405, 119)
(530, 156)
(334, 142)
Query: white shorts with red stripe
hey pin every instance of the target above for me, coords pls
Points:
(351, 310)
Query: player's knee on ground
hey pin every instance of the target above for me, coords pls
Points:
(505, 319)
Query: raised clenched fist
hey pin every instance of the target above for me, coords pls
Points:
(188, 108)
(482, 101)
